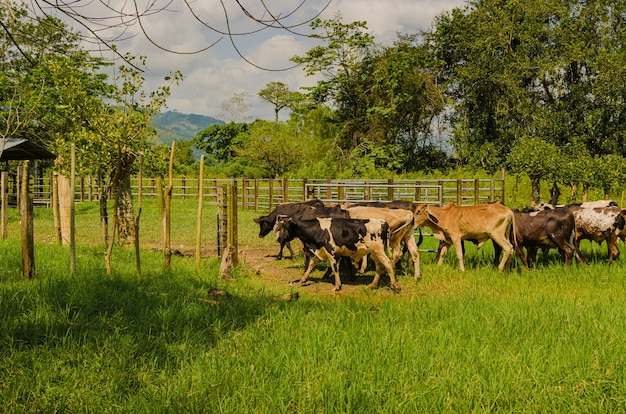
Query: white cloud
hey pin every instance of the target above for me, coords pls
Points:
(217, 74)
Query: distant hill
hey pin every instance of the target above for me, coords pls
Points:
(175, 126)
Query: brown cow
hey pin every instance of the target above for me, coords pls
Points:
(452, 224)
(402, 229)
(545, 229)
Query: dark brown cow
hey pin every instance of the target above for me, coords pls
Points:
(545, 229)
(452, 224)
(266, 223)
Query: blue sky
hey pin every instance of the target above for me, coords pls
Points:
(216, 74)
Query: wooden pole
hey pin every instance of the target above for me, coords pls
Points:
(72, 210)
(54, 205)
(222, 220)
(138, 216)
(199, 219)
(167, 250)
(4, 184)
(26, 210)
(233, 239)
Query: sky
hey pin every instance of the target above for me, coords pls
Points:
(217, 74)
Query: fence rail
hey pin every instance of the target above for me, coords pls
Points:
(265, 194)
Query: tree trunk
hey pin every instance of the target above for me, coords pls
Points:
(104, 216)
(125, 212)
(535, 192)
(585, 193)
(574, 192)
(555, 193)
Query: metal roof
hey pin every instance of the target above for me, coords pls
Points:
(23, 149)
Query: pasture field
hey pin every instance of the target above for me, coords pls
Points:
(546, 340)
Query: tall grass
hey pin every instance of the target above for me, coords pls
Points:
(549, 339)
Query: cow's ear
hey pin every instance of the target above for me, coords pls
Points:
(257, 220)
(432, 218)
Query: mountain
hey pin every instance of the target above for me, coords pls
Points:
(175, 126)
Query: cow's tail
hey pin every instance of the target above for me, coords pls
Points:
(421, 238)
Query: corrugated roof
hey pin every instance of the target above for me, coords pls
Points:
(23, 149)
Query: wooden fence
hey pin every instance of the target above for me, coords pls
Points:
(265, 194)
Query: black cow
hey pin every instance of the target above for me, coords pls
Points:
(545, 229)
(329, 238)
(266, 223)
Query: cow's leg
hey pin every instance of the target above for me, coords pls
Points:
(612, 246)
(458, 246)
(507, 248)
(312, 263)
(334, 265)
(382, 262)
(288, 244)
(442, 250)
(410, 244)
(279, 256)
(363, 268)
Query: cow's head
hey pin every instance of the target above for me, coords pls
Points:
(283, 234)
(265, 225)
(421, 215)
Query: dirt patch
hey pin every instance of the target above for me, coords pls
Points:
(260, 262)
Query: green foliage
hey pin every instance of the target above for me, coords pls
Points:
(522, 68)
(219, 141)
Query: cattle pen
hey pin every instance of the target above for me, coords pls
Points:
(264, 194)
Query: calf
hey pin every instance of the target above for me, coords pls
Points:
(544, 229)
(266, 223)
(452, 224)
(401, 225)
(328, 238)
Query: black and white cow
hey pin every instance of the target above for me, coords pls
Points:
(329, 238)
(266, 223)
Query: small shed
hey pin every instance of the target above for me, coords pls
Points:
(12, 149)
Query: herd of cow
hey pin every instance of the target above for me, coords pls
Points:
(384, 230)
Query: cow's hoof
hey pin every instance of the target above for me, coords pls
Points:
(372, 286)
(279, 258)
(336, 288)
(396, 288)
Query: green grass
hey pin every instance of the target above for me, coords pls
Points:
(546, 340)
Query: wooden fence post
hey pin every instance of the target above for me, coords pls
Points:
(459, 192)
(476, 191)
(26, 210)
(502, 184)
(233, 239)
(244, 193)
(256, 194)
(167, 250)
(390, 189)
(222, 220)
(199, 216)
(4, 186)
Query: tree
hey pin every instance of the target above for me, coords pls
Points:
(345, 46)
(522, 68)
(277, 94)
(538, 159)
(235, 108)
(274, 147)
(219, 141)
